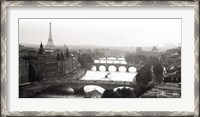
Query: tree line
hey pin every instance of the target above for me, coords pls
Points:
(151, 72)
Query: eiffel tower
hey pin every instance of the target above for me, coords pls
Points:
(50, 44)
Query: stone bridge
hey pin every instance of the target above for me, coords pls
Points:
(80, 84)
(117, 65)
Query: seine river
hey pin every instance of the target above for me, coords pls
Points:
(112, 74)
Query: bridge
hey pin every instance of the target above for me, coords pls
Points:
(117, 65)
(80, 84)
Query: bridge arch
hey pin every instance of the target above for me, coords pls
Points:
(93, 68)
(105, 66)
(88, 88)
(102, 68)
(122, 88)
(122, 68)
(132, 69)
(112, 68)
(81, 87)
(125, 66)
(78, 86)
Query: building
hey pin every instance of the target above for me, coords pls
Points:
(153, 52)
(164, 90)
(51, 67)
(46, 63)
(23, 69)
(174, 77)
(61, 63)
(27, 57)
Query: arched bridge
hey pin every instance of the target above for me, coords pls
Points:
(117, 65)
(79, 84)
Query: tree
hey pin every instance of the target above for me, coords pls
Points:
(33, 73)
(144, 75)
(163, 57)
(109, 94)
(153, 60)
(174, 50)
(140, 58)
(84, 60)
(138, 50)
(154, 49)
(89, 59)
(58, 56)
(125, 93)
(140, 89)
(158, 72)
(130, 58)
(67, 53)
(158, 69)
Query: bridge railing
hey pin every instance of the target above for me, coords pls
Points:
(93, 81)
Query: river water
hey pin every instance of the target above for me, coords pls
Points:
(92, 74)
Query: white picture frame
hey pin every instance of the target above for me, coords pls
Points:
(6, 105)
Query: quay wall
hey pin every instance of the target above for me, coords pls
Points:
(76, 75)
(37, 88)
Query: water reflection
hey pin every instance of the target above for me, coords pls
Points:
(122, 75)
(94, 68)
(90, 88)
(116, 76)
(112, 68)
(132, 69)
(122, 69)
(102, 68)
(122, 87)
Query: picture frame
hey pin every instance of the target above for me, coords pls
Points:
(5, 5)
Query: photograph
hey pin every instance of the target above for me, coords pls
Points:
(99, 57)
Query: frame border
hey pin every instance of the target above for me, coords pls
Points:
(5, 4)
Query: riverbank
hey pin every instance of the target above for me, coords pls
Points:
(59, 91)
(40, 87)
(75, 75)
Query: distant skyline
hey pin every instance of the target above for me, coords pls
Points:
(102, 32)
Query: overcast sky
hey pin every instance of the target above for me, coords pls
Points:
(103, 32)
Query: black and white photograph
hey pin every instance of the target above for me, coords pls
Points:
(100, 57)
(139, 58)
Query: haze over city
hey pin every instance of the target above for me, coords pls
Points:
(102, 32)
(99, 58)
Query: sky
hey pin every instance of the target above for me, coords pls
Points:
(102, 32)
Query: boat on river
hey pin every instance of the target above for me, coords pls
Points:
(108, 75)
